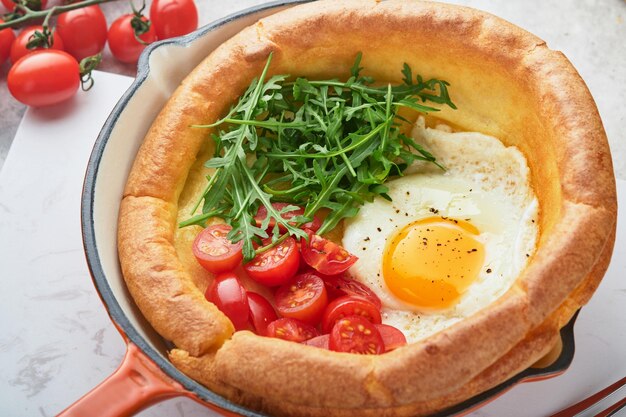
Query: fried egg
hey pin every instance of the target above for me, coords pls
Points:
(450, 242)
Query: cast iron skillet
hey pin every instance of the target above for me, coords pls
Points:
(145, 376)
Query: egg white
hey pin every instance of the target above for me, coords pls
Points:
(484, 183)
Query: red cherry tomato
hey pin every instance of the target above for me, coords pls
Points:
(122, 40)
(261, 312)
(341, 285)
(275, 266)
(291, 329)
(262, 214)
(227, 293)
(6, 40)
(325, 256)
(18, 48)
(349, 306)
(173, 17)
(355, 334)
(32, 4)
(215, 252)
(319, 341)
(84, 31)
(392, 337)
(44, 77)
(304, 298)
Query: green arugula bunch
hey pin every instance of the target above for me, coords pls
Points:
(316, 144)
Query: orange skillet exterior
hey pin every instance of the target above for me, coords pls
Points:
(505, 82)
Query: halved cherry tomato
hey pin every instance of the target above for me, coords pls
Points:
(227, 293)
(341, 285)
(349, 306)
(173, 17)
(261, 312)
(325, 256)
(319, 341)
(355, 334)
(122, 40)
(43, 78)
(19, 49)
(304, 298)
(291, 329)
(6, 40)
(275, 266)
(261, 214)
(392, 337)
(31, 4)
(84, 31)
(215, 252)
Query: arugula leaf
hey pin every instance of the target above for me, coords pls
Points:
(319, 144)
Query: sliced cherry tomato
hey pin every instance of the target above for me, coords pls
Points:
(84, 31)
(215, 252)
(227, 293)
(173, 17)
(31, 4)
(341, 285)
(261, 312)
(19, 49)
(44, 77)
(325, 256)
(304, 298)
(6, 40)
(122, 40)
(275, 266)
(291, 329)
(262, 214)
(392, 337)
(349, 306)
(319, 341)
(355, 334)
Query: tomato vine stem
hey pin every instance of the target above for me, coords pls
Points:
(30, 15)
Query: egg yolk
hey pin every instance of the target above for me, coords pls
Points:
(430, 262)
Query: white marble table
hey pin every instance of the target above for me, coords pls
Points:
(56, 340)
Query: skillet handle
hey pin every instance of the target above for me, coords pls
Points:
(135, 385)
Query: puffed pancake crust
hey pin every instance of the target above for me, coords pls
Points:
(505, 82)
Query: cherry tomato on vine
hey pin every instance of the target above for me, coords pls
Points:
(349, 306)
(84, 31)
(325, 256)
(291, 329)
(122, 40)
(19, 49)
(6, 40)
(44, 77)
(32, 4)
(173, 17)
(355, 334)
(227, 293)
(275, 266)
(304, 298)
(215, 252)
